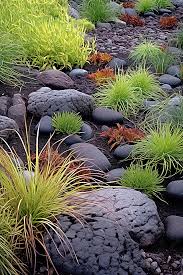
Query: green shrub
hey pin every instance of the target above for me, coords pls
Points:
(143, 6)
(146, 82)
(164, 4)
(149, 54)
(49, 37)
(120, 95)
(97, 10)
(179, 38)
(143, 178)
(10, 53)
(67, 123)
(162, 147)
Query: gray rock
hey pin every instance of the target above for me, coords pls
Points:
(45, 125)
(74, 5)
(117, 63)
(150, 13)
(103, 245)
(7, 126)
(95, 159)
(18, 113)
(4, 102)
(17, 99)
(162, 11)
(118, 23)
(115, 174)
(55, 79)
(104, 128)
(73, 139)
(178, 3)
(175, 189)
(175, 101)
(130, 11)
(46, 102)
(169, 79)
(175, 51)
(102, 25)
(73, 12)
(166, 87)
(174, 70)
(86, 132)
(78, 72)
(174, 228)
(150, 103)
(117, 8)
(28, 175)
(106, 116)
(123, 151)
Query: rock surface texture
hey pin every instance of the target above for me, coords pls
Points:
(46, 102)
(103, 245)
(7, 126)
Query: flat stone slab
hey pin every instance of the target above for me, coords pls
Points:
(47, 102)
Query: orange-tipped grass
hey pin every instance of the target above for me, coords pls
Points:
(37, 203)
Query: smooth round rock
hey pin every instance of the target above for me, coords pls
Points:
(95, 159)
(174, 228)
(174, 70)
(117, 63)
(123, 151)
(86, 132)
(166, 87)
(106, 116)
(115, 174)
(28, 175)
(105, 128)
(45, 125)
(169, 79)
(162, 11)
(149, 13)
(73, 12)
(103, 25)
(55, 79)
(18, 114)
(73, 139)
(130, 11)
(175, 51)
(175, 189)
(78, 72)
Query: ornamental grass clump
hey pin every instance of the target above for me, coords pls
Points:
(143, 6)
(35, 202)
(179, 38)
(120, 95)
(67, 122)
(97, 10)
(143, 178)
(164, 4)
(162, 148)
(49, 37)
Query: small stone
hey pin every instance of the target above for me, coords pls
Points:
(106, 116)
(123, 151)
(7, 126)
(175, 51)
(117, 63)
(169, 79)
(166, 87)
(4, 102)
(150, 103)
(175, 189)
(78, 72)
(73, 13)
(28, 175)
(158, 271)
(18, 113)
(150, 13)
(102, 25)
(119, 23)
(154, 265)
(174, 70)
(45, 125)
(115, 174)
(86, 132)
(174, 228)
(55, 79)
(162, 11)
(104, 128)
(72, 139)
(17, 99)
(131, 11)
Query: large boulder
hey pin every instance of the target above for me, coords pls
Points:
(55, 79)
(107, 243)
(46, 102)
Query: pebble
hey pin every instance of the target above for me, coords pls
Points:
(45, 126)
(175, 189)
(174, 228)
(123, 151)
(117, 63)
(106, 116)
(104, 25)
(169, 79)
(78, 72)
(86, 132)
(73, 139)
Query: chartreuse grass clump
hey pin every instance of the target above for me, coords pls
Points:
(67, 122)
(143, 178)
(143, 6)
(97, 10)
(50, 38)
(162, 148)
(35, 203)
(149, 54)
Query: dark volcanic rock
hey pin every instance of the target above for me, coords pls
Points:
(174, 228)
(175, 189)
(106, 116)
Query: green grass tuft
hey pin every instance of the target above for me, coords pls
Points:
(143, 178)
(67, 123)
(143, 6)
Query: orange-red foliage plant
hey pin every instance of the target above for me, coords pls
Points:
(133, 20)
(99, 58)
(168, 22)
(128, 5)
(122, 134)
(102, 76)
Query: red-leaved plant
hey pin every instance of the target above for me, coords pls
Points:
(128, 5)
(133, 20)
(102, 76)
(121, 134)
(168, 22)
(99, 58)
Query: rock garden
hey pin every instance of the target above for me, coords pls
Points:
(91, 137)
